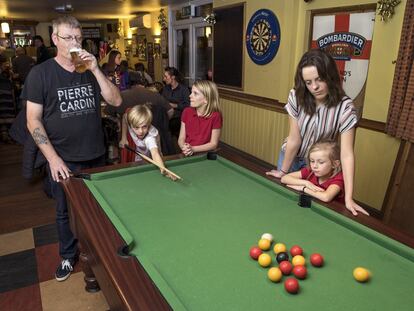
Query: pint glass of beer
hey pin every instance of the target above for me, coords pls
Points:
(80, 65)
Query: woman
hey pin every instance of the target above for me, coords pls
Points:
(113, 69)
(177, 95)
(319, 109)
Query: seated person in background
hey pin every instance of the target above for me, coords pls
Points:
(22, 64)
(201, 122)
(139, 67)
(322, 178)
(139, 134)
(42, 53)
(113, 70)
(177, 95)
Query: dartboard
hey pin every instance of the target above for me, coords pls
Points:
(263, 36)
(260, 38)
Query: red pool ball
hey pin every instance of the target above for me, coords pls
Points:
(300, 272)
(292, 285)
(255, 252)
(296, 250)
(285, 267)
(316, 260)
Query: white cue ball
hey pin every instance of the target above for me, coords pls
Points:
(267, 236)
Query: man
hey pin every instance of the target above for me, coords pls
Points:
(63, 116)
(42, 54)
(22, 64)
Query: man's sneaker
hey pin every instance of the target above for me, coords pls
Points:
(64, 269)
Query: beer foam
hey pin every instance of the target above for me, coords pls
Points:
(75, 50)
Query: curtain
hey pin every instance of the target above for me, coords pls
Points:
(400, 120)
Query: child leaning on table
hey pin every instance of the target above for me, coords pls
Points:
(139, 134)
(322, 178)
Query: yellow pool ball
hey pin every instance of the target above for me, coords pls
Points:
(361, 274)
(298, 260)
(274, 274)
(279, 248)
(265, 260)
(264, 244)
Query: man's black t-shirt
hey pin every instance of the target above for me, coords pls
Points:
(71, 109)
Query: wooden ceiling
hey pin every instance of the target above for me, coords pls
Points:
(84, 10)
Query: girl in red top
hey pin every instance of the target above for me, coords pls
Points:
(201, 122)
(323, 178)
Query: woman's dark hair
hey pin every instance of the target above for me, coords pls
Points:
(111, 60)
(124, 66)
(139, 67)
(327, 71)
(172, 71)
(38, 37)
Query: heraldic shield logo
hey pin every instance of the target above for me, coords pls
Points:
(348, 38)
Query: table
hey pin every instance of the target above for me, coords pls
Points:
(189, 242)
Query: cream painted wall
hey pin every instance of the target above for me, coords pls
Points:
(374, 161)
(373, 150)
(276, 78)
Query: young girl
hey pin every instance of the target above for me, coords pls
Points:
(319, 109)
(322, 178)
(140, 135)
(201, 122)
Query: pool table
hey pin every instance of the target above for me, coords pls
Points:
(153, 244)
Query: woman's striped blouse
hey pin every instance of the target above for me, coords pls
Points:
(325, 123)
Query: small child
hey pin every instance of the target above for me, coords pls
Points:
(323, 178)
(201, 122)
(140, 135)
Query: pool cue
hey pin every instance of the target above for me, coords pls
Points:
(148, 159)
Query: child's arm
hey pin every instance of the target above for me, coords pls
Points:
(211, 145)
(185, 148)
(295, 179)
(155, 155)
(327, 195)
(181, 137)
(124, 140)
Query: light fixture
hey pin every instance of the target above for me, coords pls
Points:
(5, 27)
(157, 39)
(208, 31)
(141, 21)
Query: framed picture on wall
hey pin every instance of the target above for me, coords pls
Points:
(142, 47)
(347, 35)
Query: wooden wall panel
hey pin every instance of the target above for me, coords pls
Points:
(256, 131)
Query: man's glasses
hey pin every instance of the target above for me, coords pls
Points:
(70, 38)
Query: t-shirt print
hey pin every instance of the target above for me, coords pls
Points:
(76, 100)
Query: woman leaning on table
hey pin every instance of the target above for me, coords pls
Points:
(318, 108)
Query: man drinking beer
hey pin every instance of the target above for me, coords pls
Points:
(63, 116)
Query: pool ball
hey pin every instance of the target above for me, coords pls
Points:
(279, 248)
(264, 244)
(300, 272)
(316, 260)
(296, 250)
(292, 285)
(267, 236)
(255, 252)
(285, 267)
(361, 274)
(283, 256)
(298, 260)
(274, 274)
(264, 260)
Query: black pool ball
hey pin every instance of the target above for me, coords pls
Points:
(282, 257)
